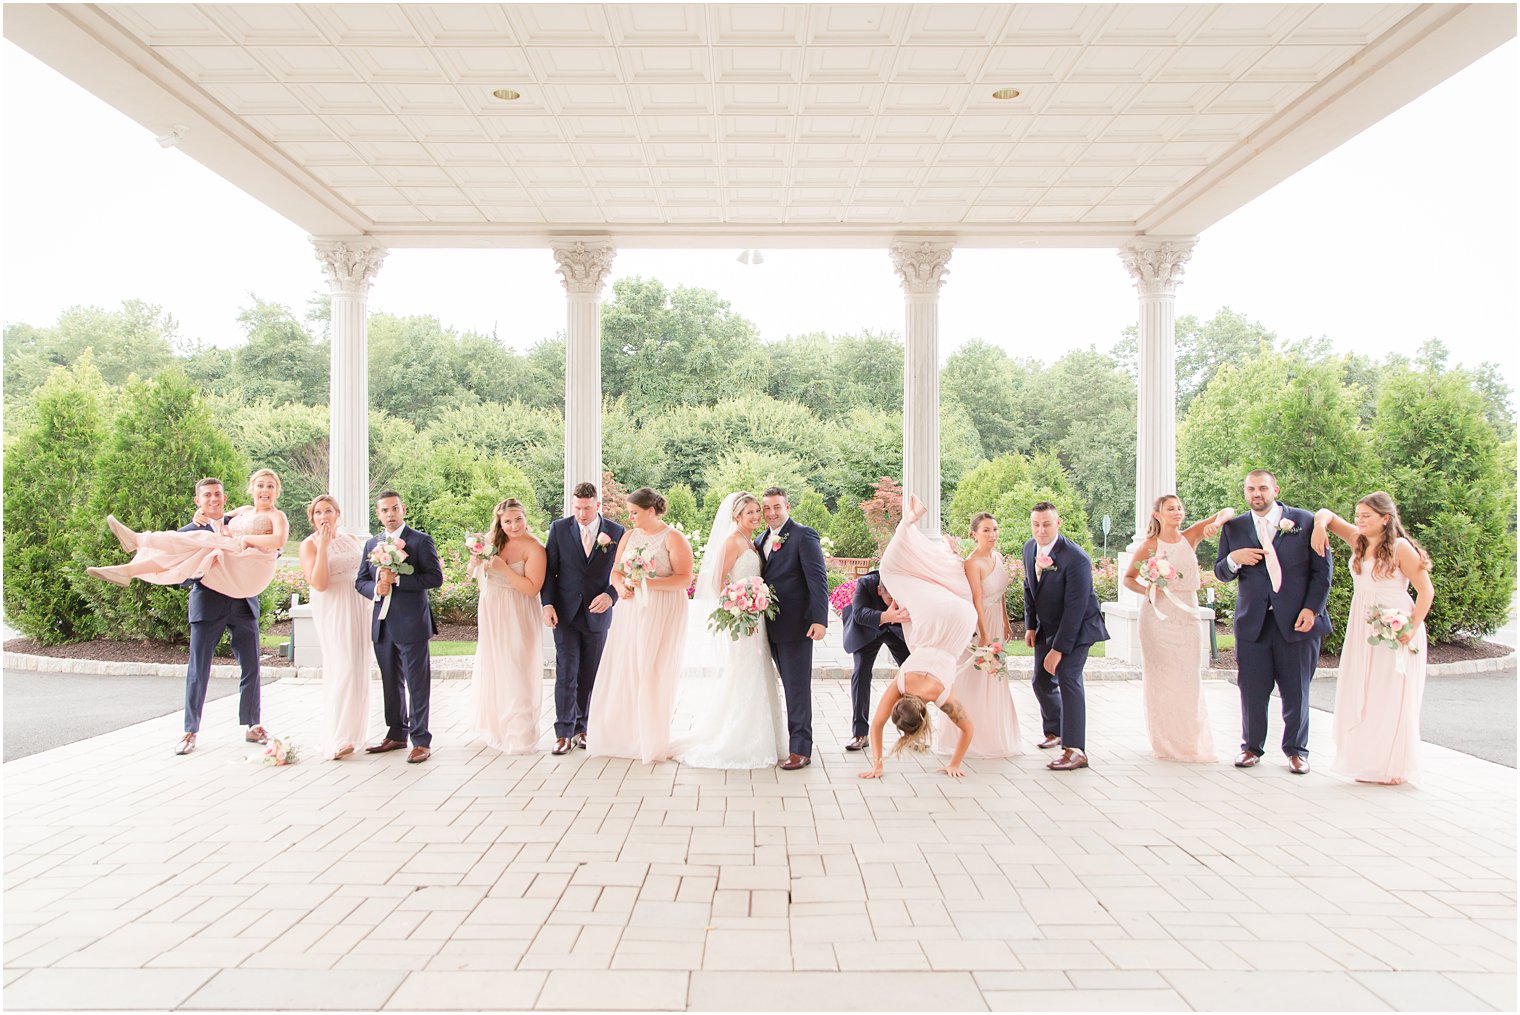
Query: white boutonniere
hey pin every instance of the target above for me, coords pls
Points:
(1286, 527)
(603, 542)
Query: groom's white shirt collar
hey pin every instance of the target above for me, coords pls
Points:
(1273, 516)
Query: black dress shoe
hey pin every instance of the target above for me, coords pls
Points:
(385, 745)
(561, 746)
(857, 744)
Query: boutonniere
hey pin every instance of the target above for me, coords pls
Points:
(777, 542)
(1044, 563)
(603, 542)
(1286, 527)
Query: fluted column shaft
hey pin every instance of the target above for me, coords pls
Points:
(583, 266)
(921, 266)
(1156, 267)
(350, 266)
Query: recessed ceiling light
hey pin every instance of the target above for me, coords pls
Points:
(1006, 93)
(507, 94)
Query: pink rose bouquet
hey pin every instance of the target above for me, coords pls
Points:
(741, 604)
(389, 555)
(279, 751)
(1157, 572)
(478, 547)
(991, 659)
(1387, 624)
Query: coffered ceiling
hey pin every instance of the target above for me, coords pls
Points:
(755, 124)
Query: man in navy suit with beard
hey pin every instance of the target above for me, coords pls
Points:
(871, 619)
(792, 564)
(578, 598)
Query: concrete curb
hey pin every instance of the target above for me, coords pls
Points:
(459, 667)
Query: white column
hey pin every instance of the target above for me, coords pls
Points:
(1156, 267)
(921, 265)
(350, 265)
(583, 266)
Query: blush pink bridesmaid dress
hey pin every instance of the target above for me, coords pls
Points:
(170, 558)
(507, 683)
(342, 618)
(987, 699)
(1171, 659)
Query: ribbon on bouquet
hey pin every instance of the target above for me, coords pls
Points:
(385, 603)
(1166, 590)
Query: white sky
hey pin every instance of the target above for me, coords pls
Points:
(1406, 232)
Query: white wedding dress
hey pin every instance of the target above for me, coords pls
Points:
(738, 719)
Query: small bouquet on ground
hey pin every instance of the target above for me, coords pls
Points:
(1387, 624)
(741, 604)
(991, 659)
(389, 555)
(1156, 573)
(638, 569)
(278, 751)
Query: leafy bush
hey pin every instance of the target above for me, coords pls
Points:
(457, 600)
(288, 581)
(681, 509)
(836, 578)
(850, 533)
(48, 484)
(162, 440)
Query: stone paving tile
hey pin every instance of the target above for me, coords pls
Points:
(513, 882)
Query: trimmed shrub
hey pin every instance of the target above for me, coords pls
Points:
(850, 533)
(49, 480)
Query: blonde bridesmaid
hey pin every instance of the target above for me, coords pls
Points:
(1380, 689)
(635, 693)
(330, 562)
(1171, 651)
(985, 698)
(508, 678)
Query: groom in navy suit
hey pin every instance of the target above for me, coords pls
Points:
(1062, 622)
(792, 564)
(1280, 616)
(578, 598)
(401, 638)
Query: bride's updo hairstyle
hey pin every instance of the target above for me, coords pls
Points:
(648, 500)
(742, 500)
(911, 717)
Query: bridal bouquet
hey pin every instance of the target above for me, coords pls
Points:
(1387, 624)
(991, 659)
(389, 555)
(741, 604)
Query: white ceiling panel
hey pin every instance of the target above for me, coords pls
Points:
(688, 116)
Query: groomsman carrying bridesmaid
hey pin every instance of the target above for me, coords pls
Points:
(578, 597)
(1280, 616)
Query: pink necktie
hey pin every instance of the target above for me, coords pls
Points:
(1274, 568)
(586, 540)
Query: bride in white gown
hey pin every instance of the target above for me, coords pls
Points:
(731, 684)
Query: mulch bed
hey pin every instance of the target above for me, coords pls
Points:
(1446, 652)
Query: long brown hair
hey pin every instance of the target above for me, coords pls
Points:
(1383, 562)
(498, 535)
(1153, 527)
(911, 717)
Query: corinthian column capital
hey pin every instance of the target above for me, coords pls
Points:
(1156, 265)
(350, 265)
(584, 265)
(921, 264)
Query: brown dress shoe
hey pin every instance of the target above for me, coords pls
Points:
(1069, 760)
(1247, 759)
(385, 745)
(561, 746)
(794, 762)
(1298, 765)
(256, 735)
(1049, 742)
(857, 744)
(419, 755)
(579, 740)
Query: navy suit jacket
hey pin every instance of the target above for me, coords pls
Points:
(572, 579)
(411, 614)
(1305, 578)
(209, 605)
(800, 578)
(862, 616)
(1062, 608)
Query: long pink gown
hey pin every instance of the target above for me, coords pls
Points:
(507, 683)
(635, 695)
(1171, 660)
(986, 698)
(930, 582)
(342, 621)
(1377, 708)
(169, 558)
